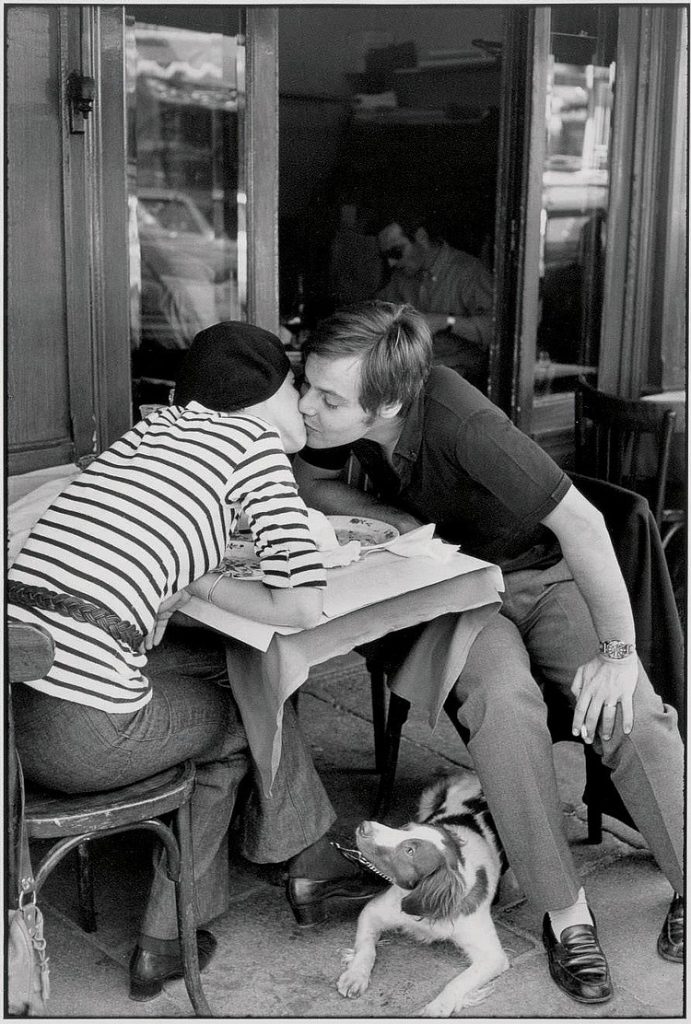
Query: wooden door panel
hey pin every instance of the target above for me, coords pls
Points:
(39, 429)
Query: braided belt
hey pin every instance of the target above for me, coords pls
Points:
(75, 608)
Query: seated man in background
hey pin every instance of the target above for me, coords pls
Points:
(438, 451)
(452, 289)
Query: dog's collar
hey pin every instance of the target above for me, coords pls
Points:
(355, 857)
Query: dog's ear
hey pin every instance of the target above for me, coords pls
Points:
(441, 895)
(437, 896)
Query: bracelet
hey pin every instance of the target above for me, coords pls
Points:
(213, 587)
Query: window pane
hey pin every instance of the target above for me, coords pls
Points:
(575, 196)
(183, 90)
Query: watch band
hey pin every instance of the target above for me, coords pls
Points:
(616, 649)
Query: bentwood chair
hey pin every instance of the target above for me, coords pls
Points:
(628, 442)
(74, 821)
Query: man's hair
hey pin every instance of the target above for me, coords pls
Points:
(435, 223)
(393, 342)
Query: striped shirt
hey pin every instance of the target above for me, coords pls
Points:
(144, 519)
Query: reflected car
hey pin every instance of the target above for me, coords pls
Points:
(188, 277)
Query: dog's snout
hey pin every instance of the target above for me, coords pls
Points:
(365, 829)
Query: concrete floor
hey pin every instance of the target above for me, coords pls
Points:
(268, 967)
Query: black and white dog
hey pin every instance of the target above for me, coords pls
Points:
(444, 869)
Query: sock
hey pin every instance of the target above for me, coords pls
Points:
(165, 947)
(578, 913)
(321, 860)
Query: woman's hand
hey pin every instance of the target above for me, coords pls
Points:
(600, 685)
(166, 609)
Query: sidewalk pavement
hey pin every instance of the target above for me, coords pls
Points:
(268, 967)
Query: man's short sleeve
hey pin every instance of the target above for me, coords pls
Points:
(511, 466)
(326, 458)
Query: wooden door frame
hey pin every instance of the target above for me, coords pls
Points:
(261, 165)
(519, 201)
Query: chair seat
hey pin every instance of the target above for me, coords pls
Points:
(51, 815)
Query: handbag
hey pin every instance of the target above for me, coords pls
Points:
(28, 979)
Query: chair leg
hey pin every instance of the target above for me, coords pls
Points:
(593, 770)
(378, 683)
(185, 901)
(85, 887)
(396, 719)
(594, 824)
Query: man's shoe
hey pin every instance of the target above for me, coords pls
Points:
(313, 900)
(149, 970)
(576, 962)
(670, 943)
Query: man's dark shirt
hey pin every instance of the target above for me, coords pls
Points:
(461, 463)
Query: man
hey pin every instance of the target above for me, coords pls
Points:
(436, 450)
(452, 289)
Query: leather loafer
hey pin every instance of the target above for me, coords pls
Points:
(313, 900)
(149, 970)
(670, 943)
(576, 962)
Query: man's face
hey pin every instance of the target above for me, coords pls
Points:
(330, 403)
(398, 250)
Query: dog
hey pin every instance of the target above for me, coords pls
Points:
(444, 871)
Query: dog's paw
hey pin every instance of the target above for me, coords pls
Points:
(353, 982)
(443, 1006)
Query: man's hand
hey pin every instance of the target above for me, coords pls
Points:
(170, 605)
(600, 685)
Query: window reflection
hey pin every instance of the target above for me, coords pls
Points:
(183, 195)
(574, 210)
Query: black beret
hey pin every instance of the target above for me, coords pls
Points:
(230, 366)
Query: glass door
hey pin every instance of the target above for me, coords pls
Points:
(573, 216)
(187, 234)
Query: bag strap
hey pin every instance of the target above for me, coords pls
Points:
(26, 883)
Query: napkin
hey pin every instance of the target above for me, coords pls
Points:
(421, 543)
(324, 536)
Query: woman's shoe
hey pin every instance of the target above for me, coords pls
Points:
(312, 900)
(149, 970)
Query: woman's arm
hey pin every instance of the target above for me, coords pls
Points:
(292, 606)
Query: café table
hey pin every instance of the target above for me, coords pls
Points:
(364, 601)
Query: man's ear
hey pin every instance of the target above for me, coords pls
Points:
(388, 412)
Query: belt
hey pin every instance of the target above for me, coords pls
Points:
(75, 608)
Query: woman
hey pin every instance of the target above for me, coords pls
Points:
(125, 544)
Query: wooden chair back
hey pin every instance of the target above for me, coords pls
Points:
(30, 651)
(614, 441)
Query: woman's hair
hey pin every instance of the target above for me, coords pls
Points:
(393, 342)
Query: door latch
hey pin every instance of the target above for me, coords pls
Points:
(81, 93)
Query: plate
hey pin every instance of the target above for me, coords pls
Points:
(369, 532)
(240, 561)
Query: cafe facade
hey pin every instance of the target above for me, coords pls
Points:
(168, 166)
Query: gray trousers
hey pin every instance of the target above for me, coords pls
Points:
(192, 714)
(545, 630)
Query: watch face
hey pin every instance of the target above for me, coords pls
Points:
(616, 648)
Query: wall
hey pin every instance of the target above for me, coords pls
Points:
(318, 45)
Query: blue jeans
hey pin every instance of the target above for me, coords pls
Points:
(192, 714)
(545, 632)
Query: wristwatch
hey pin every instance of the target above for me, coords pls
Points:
(450, 321)
(616, 649)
